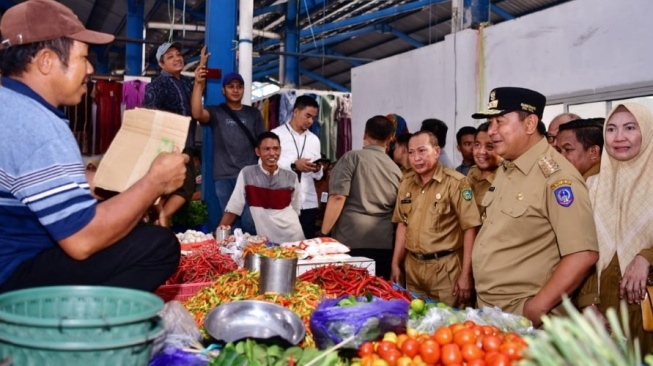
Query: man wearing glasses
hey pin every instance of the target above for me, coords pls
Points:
(554, 127)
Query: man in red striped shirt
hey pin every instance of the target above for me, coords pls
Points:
(272, 193)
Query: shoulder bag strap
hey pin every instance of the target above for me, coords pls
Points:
(240, 123)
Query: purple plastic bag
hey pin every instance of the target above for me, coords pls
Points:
(331, 323)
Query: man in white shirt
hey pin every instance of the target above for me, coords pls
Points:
(300, 151)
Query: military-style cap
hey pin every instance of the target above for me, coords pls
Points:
(509, 99)
(43, 20)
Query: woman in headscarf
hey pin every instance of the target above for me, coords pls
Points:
(622, 197)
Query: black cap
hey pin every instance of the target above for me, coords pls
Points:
(509, 99)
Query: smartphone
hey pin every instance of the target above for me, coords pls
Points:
(322, 160)
(212, 73)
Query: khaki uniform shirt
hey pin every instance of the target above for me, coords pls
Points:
(594, 170)
(369, 178)
(538, 210)
(480, 186)
(436, 214)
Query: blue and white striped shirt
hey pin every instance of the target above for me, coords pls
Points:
(44, 195)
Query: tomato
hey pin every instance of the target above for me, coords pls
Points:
(477, 362)
(423, 338)
(368, 360)
(417, 361)
(383, 348)
(487, 330)
(463, 337)
(451, 354)
(469, 324)
(491, 343)
(456, 327)
(511, 349)
(400, 340)
(430, 351)
(472, 352)
(392, 356)
(412, 333)
(380, 362)
(410, 347)
(443, 336)
(404, 361)
(498, 359)
(365, 349)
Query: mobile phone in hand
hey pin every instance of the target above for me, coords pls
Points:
(322, 160)
(212, 73)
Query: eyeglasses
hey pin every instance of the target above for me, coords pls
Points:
(551, 138)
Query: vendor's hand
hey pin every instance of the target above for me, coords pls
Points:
(168, 170)
(633, 284)
(463, 288)
(305, 165)
(224, 227)
(395, 274)
(533, 312)
(200, 71)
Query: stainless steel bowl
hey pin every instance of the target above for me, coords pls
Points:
(253, 319)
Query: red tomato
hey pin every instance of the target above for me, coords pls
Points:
(469, 324)
(511, 349)
(430, 351)
(365, 349)
(400, 340)
(463, 337)
(491, 343)
(410, 347)
(368, 360)
(392, 356)
(456, 327)
(487, 330)
(451, 354)
(471, 352)
(498, 359)
(478, 362)
(383, 348)
(443, 336)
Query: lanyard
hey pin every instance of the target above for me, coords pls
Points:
(299, 155)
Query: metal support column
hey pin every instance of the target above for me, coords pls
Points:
(221, 17)
(291, 45)
(476, 12)
(134, 51)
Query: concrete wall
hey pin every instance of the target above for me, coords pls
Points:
(582, 50)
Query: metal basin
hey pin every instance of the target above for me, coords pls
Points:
(253, 319)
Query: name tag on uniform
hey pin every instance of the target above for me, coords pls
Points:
(491, 189)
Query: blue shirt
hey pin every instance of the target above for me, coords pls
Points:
(44, 195)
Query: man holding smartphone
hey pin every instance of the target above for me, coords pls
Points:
(171, 92)
(300, 152)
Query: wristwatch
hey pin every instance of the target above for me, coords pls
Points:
(293, 166)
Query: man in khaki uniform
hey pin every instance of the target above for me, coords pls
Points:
(581, 142)
(529, 251)
(481, 175)
(437, 221)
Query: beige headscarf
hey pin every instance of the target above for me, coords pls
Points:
(622, 197)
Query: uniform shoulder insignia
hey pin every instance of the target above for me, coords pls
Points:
(548, 165)
(454, 173)
(467, 193)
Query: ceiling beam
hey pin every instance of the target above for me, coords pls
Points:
(323, 80)
(385, 28)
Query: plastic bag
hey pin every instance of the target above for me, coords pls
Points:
(368, 321)
(180, 327)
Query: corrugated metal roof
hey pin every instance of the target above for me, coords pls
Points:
(426, 24)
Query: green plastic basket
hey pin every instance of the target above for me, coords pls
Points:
(79, 325)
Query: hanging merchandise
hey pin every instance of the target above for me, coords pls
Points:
(133, 91)
(108, 97)
(81, 122)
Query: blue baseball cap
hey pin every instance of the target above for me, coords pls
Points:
(165, 47)
(231, 77)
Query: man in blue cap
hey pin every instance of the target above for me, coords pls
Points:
(234, 127)
(538, 241)
(171, 92)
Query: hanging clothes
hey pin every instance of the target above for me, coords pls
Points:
(329, 131)
(81, 122)
(286, 107)
(133, 93)
(108, 97)
(273, 111)
(315, 127)
(344, 125)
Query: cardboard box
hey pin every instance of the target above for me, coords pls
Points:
(304, 265)
(143, 135)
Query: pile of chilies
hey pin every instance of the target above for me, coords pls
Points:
(271, 252)
(204, 264)
(243, 285)
(339, 280)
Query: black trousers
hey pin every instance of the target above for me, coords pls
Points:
(142, 260)
(307, 219)
(382, 260)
